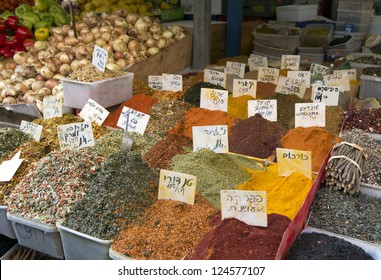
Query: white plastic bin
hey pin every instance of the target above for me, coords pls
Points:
(370, 87)
(296, 13)
(317, 40)
(354, 16)
(270, 51)
(6, 227)
(283, 39)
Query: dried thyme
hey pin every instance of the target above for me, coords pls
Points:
(10, 139)
(109, 143)
(89, 74)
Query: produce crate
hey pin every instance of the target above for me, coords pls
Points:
(107, 93)
(295, 13)
(259, 8)
(80, 246)
(370, 87)
(117, 256)
(38, 236)
(280, 40)
(6, 227)
(317, 40)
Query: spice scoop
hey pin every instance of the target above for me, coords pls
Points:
(127, 141)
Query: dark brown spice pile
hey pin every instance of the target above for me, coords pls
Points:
(368, 120)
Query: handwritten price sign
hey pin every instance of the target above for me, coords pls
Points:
(290, 62)
(268, 75)
(309, 114)
(290, 86)
(244, 87)
(100, 57)
(75, 136)
(52, 107)
(214, 99)
(318, 69)
(211, 137)
(340, 80)
(172, 82)
(325, 94)
(215, 77)
(155, 82)
(137, 121)
(290, 161)
(32, 129)
(303, 76)
(235, 68)
(256, 61)
(266, 108)
(94, 112)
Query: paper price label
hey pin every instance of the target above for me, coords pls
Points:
(352, 73)
(266, 108)
(172, 82)
(290, 161)
(249, 207)
(93, 112)
(52, 107)
(268, 75)
(290, 62)
(155, 82)
(32, 129)
(235, 68)
(318, 69)
(215, 77)
(256, 61)
(325, 94)
(340, 80)
(8, 168)
(177, 186)
(290, 86)
(137, 121)
(303, 76)
(244, 87)
(75, 135)
(214, 138)
(214, 99)
(100, 57)
(309, 114)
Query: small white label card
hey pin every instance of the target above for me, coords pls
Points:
(340, 80)
(256, 61)
(266, 108)
(244, 87)
(52, 107)
(326, 94)
(100, 57)
(352, 73)
(137, 121)
(215, 77)
(214, 99)
(309, 114)
(290, 62)
(8, 168)
(172, 82)
(318, 69)
(268, 75)
(290, 161)
(32, 129)
(177, 186)
(303, 76)
(75, 135)
(290, 86)
(249, 207)
(155, 82)
(213, 137)
(93, 112)
(235, 68)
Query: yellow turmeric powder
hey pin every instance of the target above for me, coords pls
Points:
(237, 106)
(285, 195)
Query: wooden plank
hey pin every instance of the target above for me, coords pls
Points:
(201, 34)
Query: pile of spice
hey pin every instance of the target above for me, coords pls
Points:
(53, 185)
(334, 119)
(10, 139)
(202, 117)
(165, 115)
(168, 230)
(160, 155)
(89, 73)
(237, 106)
(109, 143)
(120, 193)
(285, 195)
(356, 216)
(232, 239)
(265, 89)
(164, 95)
(317, 140)
(368, 120)
(143, 142)
(255, 137)
(193, 94)
(214, 172)
(140, 87)
(320, 246)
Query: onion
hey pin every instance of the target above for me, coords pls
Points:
(167, 34)
(71, 33)
(58, 38)
(125, 38)
(30, 99)
(1, 66)
(142, 47)
(81, 52)
(8, 91)
(11, 65)
(46, 72)
(64, 58)
(133, 32)
(133, 45)
(84, 62)
(141, 25)
(106, 36)
(41, 45)
(17, 77)
(57, 89)
(74, 65)
(117, 31)
(122, 63)
(37, 85)
(21, 57)
(50, 84)
(131, 18)
(161, 43)
(70, 41)
(100, 42)
(179, 36)
(44, 92)
(118, 55)
(113, 67)
(58, 31)
(105, 29)
(9, 100)
(39, 78)
(119, 46)
(176, 29)
(151, 43)
(155, 28)
(142, 36)
(52, 67)
(88, 38)
(58, 77)
(120, 22)
(28, 82)
(84, 31)
(65, 69)
(21, 88)
(6, 73)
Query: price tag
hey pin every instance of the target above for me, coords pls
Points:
(8, 168)
(100, 57)
(340, 80)
(290, 86)
(268, 75)
(172, 82)
(290, 161)
(256, 61)
(326, 94)
(303, 76)
(244, 87)
(318, 69)
(32, 129)
(177, 186)
(214, 138)
(52, 107)
(214, 99)
(155, 82)
(352, 73)
(235, 68)
(266, 108)
(309, 114)
(93, 112)
(215, 77)
(290, 62)
(137, 121)
(249, 207)
(75, 135)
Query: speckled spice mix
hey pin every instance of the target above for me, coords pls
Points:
(89, 73)
(139, 87)
(10, 139)
(368, 120)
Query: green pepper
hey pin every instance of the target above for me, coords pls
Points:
(41, 5)
(27, 24)
(46, 17)
(6, 14)
(55, 9)
(22, 10)
(60, 19)
(31, 17)
(42, 24)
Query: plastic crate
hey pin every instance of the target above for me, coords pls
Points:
(117, 256)
(351, 27)
(270, 51)
(351, 43)
(295, 13)
(308, 58)
(318, 40)
(259, 8)
(355, 5)
(354, 16)
(310, 50)
(370, 87)
(38, 236)
(6, 227)
(282, 39)
(107, 93)
(335, 53)
(80, 246)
